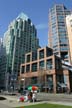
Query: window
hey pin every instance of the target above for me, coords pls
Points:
(22, 69)
(12, 31)
(60, 78)
(64, 48)
(16, 24)
(21, 24)
(49, 52)
(50, 80)
(28, 68)
(41, 63)
(64, 55)
(34, 67)
(63, 40)
(57, 63)
(41, 54)
(49, 63)
(29, 21)
(33, 80)
(28, 58)
(34, 55)
(17, 32)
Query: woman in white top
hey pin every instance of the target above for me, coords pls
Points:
(34, 97)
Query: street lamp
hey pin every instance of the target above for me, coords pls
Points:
(23, 80)
(13, 81)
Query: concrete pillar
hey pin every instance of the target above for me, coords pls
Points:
(68, 83)
(45, 83)
(54, 83)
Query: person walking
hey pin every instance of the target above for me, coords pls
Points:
(34, 97)
(30, 96)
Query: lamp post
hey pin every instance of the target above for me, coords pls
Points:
(23, 81)
(13, 81)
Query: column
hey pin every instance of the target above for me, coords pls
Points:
(54, 83)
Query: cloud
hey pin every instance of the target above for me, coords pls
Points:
(42, 26)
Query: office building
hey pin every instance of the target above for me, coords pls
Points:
(69, 33)
(57, 37)
(20, 38)
(45, 70)
(2, 65)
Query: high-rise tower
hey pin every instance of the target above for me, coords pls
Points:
(57, 37)
(69, 32)
(2, 65)
(20, 38)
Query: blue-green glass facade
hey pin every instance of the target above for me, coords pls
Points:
(20, 38)
(2, 65)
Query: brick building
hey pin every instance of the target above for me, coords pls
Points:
(46, 70)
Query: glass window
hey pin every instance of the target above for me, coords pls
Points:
(60, 78)
(65, 79)
(49, 52)
(64, 55)
(27, 68)
(29, 21)
(28, 58)
(21, 24)
(12, 32)
(49, 64)
(34, 67)
(17, 32)
(33, 80)
(16, 24)
(64, 48)
(41, 54)
(34, 55)
(57, 63)
(22, 69)
(50, 80)
(41, 63)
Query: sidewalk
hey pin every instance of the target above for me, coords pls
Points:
(60, 103)
(13, 104)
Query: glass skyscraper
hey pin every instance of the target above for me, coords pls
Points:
(2, 65)
(57, 37)
(20, 38)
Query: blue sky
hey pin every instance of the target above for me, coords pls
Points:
(37, 11)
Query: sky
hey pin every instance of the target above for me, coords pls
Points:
(36, 10)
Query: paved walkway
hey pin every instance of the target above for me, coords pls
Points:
(12, 102)
(3, 106)
(61, 103)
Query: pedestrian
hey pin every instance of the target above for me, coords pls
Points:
(34, 97)
(30, 96)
